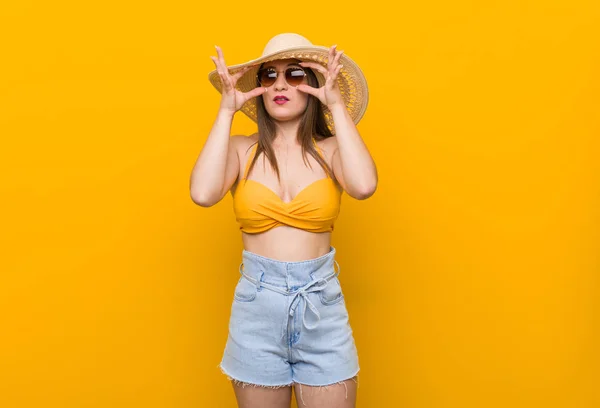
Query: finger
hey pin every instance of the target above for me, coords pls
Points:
(220, 54)
(238, 74)
(308, 89)
(217, 65)
(225, 78)
(336, 72)
(224, 68)
(334, 63)
(255, 92)
(336, 60)
(331, 55)
(314, 65)
(216, 59)
(227, 85)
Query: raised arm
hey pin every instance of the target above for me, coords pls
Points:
(217, 165)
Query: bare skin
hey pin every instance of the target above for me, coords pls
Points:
(249, 396)
(284, 242)
(291, 244)
(339, 395)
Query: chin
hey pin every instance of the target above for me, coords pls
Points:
(284, 116)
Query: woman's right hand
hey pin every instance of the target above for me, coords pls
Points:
(233, 99)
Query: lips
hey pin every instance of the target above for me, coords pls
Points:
(280, 99)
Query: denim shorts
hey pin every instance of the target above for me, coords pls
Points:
(289, 324)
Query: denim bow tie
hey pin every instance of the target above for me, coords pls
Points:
(298, 294)
(302, 293)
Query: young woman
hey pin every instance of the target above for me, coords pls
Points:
(289, 325)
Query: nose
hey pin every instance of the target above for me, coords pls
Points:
(280, 82)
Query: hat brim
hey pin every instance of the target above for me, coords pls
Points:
(351, 80)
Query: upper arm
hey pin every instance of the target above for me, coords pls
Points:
(336, 163)
(232, 167)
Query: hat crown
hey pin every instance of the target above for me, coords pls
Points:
(284, 41)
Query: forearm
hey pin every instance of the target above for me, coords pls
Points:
(208, 174)
(358, 168)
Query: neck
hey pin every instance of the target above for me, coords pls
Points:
(286, 133)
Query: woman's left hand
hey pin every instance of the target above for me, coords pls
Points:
(329, 94)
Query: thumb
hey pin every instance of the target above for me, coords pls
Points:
(255, 92)
(307, 89)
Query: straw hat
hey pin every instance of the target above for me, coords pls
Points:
(351, 80)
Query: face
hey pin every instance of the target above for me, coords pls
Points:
(283, 109)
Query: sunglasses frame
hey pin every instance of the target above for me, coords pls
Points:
(279, 72)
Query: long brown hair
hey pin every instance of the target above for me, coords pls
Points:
(312, 123)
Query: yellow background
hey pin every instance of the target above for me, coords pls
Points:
(471, 276)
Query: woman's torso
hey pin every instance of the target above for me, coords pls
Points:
(285, 242)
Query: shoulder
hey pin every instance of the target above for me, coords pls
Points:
(328, 145)
(243, 143)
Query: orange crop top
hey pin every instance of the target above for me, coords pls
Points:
(258, 208)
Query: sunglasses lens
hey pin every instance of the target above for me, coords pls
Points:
(294, 76)
(267, 76)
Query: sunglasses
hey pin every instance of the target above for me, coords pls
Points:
(293, 76)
